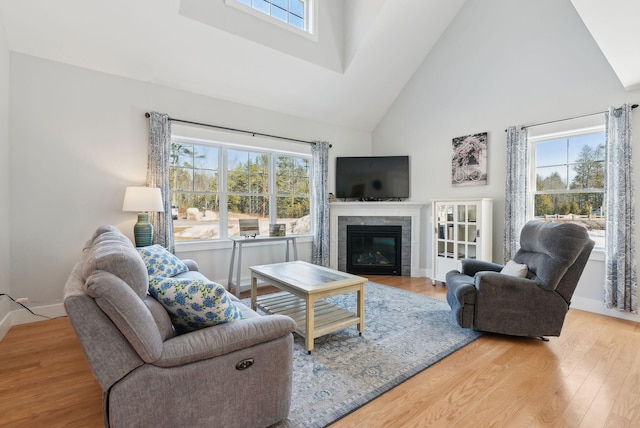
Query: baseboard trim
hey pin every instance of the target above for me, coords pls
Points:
(23, 316)
(597, 307)
(5, 325)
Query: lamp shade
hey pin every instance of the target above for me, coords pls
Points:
(141, 199)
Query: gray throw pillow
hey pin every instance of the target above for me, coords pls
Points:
(515, 269)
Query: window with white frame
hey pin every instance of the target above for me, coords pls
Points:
(567, 182)
(292, 12)
(214, 185)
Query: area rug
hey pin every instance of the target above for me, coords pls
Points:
(404, 334)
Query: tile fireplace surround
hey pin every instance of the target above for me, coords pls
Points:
(406, 214)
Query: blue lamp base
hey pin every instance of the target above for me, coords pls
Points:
(143, 231)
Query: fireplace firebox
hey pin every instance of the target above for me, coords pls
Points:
(374, 250)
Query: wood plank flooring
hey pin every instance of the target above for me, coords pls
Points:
(588, 377)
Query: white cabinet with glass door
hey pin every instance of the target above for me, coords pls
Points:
(462, 230)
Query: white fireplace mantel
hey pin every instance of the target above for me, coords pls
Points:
(376, 209)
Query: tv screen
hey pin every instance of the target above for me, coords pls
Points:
(372, 177)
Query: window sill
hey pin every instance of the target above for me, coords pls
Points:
(597, 254)
(224, 244)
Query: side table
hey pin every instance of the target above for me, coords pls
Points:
(239, 242)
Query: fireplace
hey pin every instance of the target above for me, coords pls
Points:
(405, 214)
(374, 250)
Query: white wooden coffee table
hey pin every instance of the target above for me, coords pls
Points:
(304, 286)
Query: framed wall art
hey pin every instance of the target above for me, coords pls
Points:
(469, 161)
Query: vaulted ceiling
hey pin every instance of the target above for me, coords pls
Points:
(614, 26)
(364, 53)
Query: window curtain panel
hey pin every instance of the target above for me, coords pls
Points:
(158, 176)
(620, 252)
(516, 189)
(320, 172)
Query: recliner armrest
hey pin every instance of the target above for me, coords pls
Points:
(223, 338)
(472, 266)
(507, 285)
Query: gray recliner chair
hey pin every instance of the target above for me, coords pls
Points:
(483, 298)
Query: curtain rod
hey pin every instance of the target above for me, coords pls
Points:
(569, 118)
(253, 134)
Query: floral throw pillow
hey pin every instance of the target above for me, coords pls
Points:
(161, 262)
(193, 303)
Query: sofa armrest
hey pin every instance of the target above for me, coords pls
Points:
(472, 266)
(192, 265)
(223, 338)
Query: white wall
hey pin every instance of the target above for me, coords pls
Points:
(4, 178)
(500, 63)
(326, 51)
(79, 137)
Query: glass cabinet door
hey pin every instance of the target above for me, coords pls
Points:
(473, 213)
(457, 230)
(457, 227)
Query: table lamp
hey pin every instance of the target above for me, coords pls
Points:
(143, 200)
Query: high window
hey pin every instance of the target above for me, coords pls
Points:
(568, 179)
(214, 185)
(292, 12)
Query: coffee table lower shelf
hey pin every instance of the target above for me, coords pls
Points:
(328, 318)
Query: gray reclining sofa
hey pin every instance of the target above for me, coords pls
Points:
(234, 374)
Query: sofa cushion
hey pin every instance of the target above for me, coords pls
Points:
(193, 303)
(110, 234)
(112, 252)
(128, 312)
(160, 262)
(161, 317)
(515, 269)
(100, 231)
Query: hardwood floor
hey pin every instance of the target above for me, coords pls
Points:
(588, 377)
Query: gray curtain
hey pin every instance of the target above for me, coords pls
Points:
(158, 176)
(515, 213)
(620, 256)
(320, 198)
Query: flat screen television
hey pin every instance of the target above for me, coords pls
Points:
(372, 178)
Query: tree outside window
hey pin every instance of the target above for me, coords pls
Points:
(194, 177)
(247, 188)
(214, 186)
(569, 181)
(293, 190)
